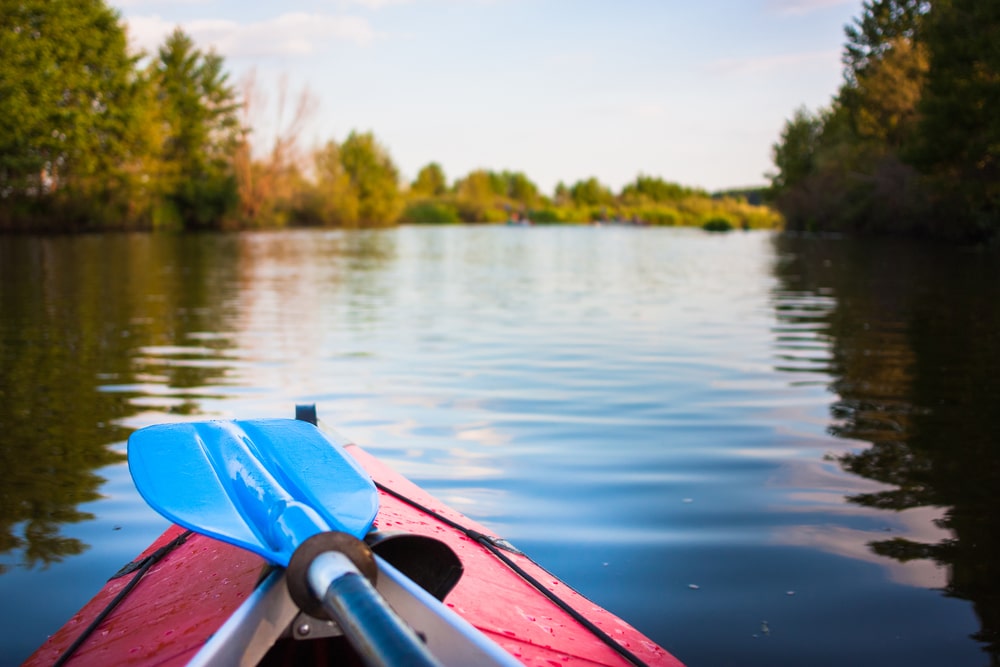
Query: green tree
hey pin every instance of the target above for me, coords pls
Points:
(478, 186)
(481, 196)
(374, 178)
(520, 188)
(333, 199)
(67, 92)
(646, 189)
(881, 24)
(960, 126)
(888, 92)
(843, 168)
(591, 192)
(430, 181)
(199, 109)
(796, 151)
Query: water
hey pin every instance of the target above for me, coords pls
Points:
(757, 449)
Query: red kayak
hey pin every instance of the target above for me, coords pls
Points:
(192, 599)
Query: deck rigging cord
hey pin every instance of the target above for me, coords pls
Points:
(139, 567)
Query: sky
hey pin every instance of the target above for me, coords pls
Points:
(692, 91)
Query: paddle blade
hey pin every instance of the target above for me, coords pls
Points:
(264, 485)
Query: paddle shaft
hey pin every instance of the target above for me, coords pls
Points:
(379, 636)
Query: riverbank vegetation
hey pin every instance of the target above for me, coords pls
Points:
(94, 137)
(911, 142)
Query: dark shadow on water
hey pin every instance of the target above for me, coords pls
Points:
(914, 335)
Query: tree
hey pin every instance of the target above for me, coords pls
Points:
(842, 169)
(430, 181)
(481, 196)
(520, 188)
(590, 192)
(885, 63)
(200, 111)
(888, 92)
(334, 199)
(795, 153)
(881, 24)
(268, 179)
(67, 90)
(960, 125)
(478, 186)
(374, 178)
(652, 189)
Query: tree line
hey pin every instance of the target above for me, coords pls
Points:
(910, 144)
(95, 137)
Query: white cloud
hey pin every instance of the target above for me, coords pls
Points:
(724, 66)
(800, 7)
(147, 32)
(293, 34)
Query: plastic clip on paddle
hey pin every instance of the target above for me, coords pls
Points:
(270, 486)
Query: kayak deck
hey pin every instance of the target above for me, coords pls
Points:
(186, 596)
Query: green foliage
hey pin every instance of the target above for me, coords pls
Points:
(198, 107)
(429, 211)
(717, 224)
(430, 181)
(959, 146)
(885, 99)
(87, 139)
(692, 210)
(795, 154)
(374, 178)
(67, 93)
(911, 144)
(649, 189)
(545, 215)
(479, 189)
(590, 192)
(331, 200)
(493, 215)
(881, 24)
(662, 217)
(520, 189)
(86, 135)
(490, 196)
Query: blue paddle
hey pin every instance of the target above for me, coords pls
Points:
(269, 486)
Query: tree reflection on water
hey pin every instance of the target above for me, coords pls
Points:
(77, 314)
(915, 340)
(102, 332)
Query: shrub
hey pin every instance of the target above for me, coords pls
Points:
(430, 212)
(717, 224)
(660, 216)
(545, 215)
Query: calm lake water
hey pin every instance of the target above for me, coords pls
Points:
(759, 450)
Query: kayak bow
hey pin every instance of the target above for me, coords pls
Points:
(257, 491)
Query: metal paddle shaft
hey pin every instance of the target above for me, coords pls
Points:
(268, 486)
(367, 621)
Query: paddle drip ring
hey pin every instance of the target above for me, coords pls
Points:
(297, 573)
